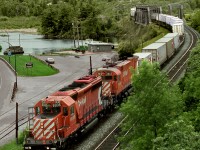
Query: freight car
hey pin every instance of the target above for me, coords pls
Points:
(143, 56)
(164, 48)
(174, 24)
(69, 111)
(158, 51)
(176, 40)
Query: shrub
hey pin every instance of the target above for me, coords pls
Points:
(3, 18)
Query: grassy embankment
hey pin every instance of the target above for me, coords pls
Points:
(161, 32)
(39, 68)
(19, 22)
(12, 145)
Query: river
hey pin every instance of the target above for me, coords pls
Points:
(34, 43)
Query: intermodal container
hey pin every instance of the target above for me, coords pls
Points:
(158, 51)
(178, 27)
(143, 56)
(176, 39)
(169, 45)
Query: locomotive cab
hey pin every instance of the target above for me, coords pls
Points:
(46, 109)
(111, 78)
(55, 118)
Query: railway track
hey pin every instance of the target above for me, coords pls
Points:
(178, 68)
(110, 141)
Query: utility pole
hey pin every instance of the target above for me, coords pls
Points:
(76, 31)
(17, 123)
(90, 72)
(15, 70)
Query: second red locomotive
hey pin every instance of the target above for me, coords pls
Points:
(116, 78)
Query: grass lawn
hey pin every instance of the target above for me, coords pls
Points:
(39, 68)
(12, 146)
(161, 32)
(19, 22)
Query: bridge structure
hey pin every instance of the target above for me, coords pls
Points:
(143, 13)
(180, 9)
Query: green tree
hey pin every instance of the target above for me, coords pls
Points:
(190, 84)
(179, 134)
(49, 21)
(65, 19)
(196, 21)
(153, 103)
(126, 49)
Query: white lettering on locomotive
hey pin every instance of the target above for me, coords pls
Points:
(125, 73)
(82, 101)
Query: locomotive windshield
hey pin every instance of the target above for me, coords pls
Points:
(106, 77)
(51, 108)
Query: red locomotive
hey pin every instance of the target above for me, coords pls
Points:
(61, 115)
(116, 79)
(70, 110)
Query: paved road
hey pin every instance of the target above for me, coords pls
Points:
(32, 89)
(7, 79)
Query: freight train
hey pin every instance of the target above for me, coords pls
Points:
(69, 111)
(174, 24)
(164, 48)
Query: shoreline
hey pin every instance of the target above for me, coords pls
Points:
(23, 30)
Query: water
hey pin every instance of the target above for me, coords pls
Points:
(35, 44)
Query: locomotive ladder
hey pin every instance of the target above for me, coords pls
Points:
(30, 117)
